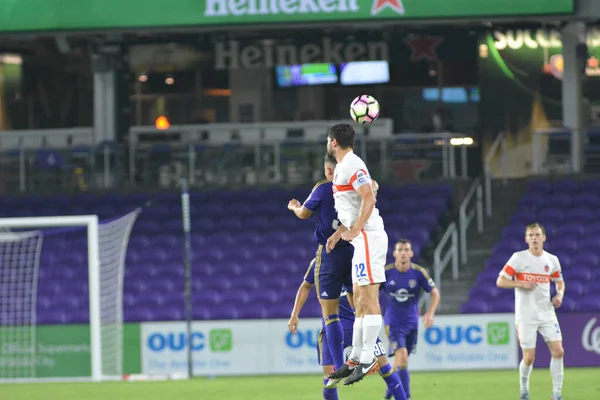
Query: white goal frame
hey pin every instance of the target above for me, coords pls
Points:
(93, 241)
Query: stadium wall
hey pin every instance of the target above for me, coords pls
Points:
(252, 347)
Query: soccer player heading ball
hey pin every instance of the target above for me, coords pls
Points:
(530, 272)
(363, 228)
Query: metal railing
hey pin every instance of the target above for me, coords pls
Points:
(159, 159)
(467, 211)
(446, 252)
(499, 144)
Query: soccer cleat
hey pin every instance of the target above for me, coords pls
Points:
(360, 371)
(556, 396)
(524, 396)
(343, 372)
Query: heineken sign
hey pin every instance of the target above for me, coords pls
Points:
(233, 54)
(47, 15)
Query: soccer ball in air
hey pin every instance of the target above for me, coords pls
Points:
(364, 109)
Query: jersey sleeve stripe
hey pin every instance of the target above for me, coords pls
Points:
(354, 177)
(368, 257)
(555, 274)
(509, 270)
(343, 188)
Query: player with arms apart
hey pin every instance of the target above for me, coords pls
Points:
(347, 319)
(332, 270)
(363, 228)
(529, 272)
(401, 290)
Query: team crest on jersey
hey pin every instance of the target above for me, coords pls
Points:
(546, 268)
(412, 283)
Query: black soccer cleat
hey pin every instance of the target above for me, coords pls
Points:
(360, 371)
(342, 372)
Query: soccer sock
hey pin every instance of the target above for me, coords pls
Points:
(335, 339)
(525, 371)
(371, 328)
(329, 394)
(393, 383)
(405, 379)
(357, 339)
(557, 373)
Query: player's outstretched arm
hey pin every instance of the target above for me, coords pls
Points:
(299, 302)
(299, 209)
(366, 208)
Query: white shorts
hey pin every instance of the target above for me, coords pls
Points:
(370, 254)
(527, 333)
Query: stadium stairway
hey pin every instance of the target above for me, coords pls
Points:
(479, 245)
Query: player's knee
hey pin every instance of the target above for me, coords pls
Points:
(401, 359)
(557, 351)
(529, 356)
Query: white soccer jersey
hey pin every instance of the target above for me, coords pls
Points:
(533, 306)
(350, 174)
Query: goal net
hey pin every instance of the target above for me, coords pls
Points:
(61, 290)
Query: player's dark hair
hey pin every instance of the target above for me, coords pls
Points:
(343, 134)
(536, 225)
(330, 159)
(403, 241)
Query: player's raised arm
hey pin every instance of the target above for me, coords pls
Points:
(299, 209)
(362, 185)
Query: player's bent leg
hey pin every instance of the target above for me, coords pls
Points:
(525, 368)
(357, 333)
(395, 389)
(527, 336)
(556, 368)
(334, 329)
(328, 393)
(401, 368)
(552, 334)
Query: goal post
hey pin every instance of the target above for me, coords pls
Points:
(106, 247)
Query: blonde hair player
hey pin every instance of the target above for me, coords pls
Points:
(530, 272)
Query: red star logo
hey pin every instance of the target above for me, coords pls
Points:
(423, 47)
(379, 5)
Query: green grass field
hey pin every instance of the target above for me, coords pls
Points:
(580, 384)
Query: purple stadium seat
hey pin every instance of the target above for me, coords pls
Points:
(522, 218)
(568, 305)
(590, 186)
(550, 215)
(533, 201)
(508, 246)
(253, 311)
(266, 297)
(566, 244)
(560, 200)
(585, 258)
(577, 273)
(566, 186)
(587, 200)
(573, 229)
(502, 306)
(593, 288)
(474, 307)
(540, 186)
(589, 304)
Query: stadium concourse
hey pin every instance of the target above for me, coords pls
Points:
(569, 212)
(249, 252)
